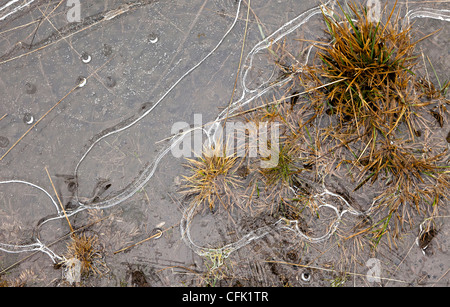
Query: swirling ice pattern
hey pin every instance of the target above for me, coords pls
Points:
(248, 95)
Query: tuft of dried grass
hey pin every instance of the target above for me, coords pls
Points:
(83, 256)
(213, 178)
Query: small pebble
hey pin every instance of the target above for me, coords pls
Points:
(86, 58)
(153, 38)
(30, 88)
(4, 142)
(81, 81)
(306, 276)
(28, 118)
(110, 82)
(157, 232)
(107, 50)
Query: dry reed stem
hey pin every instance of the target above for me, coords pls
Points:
(59, 200)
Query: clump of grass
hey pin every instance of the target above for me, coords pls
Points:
(213, 176)
(22, 280)
(374, 63)
(284, 171)
(363, 83)
(411, 176)
(403, 164)
(83, 250)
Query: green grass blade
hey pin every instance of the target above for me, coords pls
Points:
(357, 33)
(435, 74)
(374, 39)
